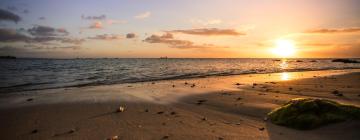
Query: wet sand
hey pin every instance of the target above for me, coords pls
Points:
(228, 107)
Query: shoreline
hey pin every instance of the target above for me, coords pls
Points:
(226, 107)
(170, 79)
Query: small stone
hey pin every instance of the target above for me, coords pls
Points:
(120, 109)
(261, 128)
(152, 82)
(166, 137)
(193, 85)
(113, 138)
(146, 110)
(254, 84)
(71, 131)
(173, 86)
(34, 131)
(204, 119)
(186, 83)
(290, 88)
(173, 113)
(30, 99)
(160, 112)
(238, 84)
(238, 99)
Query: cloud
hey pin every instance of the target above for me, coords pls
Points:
(41, 18)
(101, 17)
(206, 22)
(9, 16)
(130, 35)
(112, 21)
(106, 37)
(96, 25)
(210, 32)
(143, 15)
(9, 35)
(333, 31)
(169, 39)
(39, 30)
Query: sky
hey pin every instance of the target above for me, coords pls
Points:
(179, 28)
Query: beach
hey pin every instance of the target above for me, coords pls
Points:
(215, 107)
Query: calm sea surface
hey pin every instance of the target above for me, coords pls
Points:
(34, 74)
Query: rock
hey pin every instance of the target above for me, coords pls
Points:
(308, 113)
(30, 99)
(166, 137)
(261, 128)
(173, 113)
(193, 85)
(114, 138)
(34, 131)
(204, 119)
(120, 109)
(238, 99)
(173, 86)
(238, 84)
(186, 83)
(160, 112)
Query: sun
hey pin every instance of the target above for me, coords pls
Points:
(284, 48)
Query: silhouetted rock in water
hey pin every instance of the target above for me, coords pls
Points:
(7, 57)
(308, 113)
(345, 61)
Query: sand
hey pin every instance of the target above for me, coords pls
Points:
(227, 107)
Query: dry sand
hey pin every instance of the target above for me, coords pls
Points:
(206, 108)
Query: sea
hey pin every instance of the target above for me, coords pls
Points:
(25, 74)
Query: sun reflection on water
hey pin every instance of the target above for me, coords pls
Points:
(285, 76)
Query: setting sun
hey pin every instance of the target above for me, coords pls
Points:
(284, 48)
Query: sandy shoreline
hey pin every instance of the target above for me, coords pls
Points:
(204, 108)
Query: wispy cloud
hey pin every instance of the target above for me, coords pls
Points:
(203, 22)
(143, 15)
(106, 37)
(333, 31)
(100, 17)
(210, 32)
(9, 16)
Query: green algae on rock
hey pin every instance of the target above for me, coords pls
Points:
(308, 113)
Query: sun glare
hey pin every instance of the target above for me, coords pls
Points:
(284, 48)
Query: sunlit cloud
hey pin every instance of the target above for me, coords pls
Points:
(96, 25)
(333, 31)
(209, 32)
(169, 40)
(202, 22)
(143, 15)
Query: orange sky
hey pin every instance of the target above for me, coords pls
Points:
(179, 28)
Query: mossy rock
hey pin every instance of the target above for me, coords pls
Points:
(308, 113)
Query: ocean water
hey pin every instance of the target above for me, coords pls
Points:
(36, 74)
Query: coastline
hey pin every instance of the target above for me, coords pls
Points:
(222, 107)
